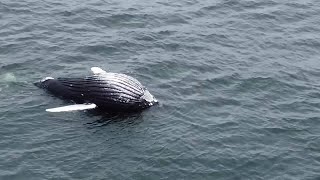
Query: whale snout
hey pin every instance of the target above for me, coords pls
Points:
(149, 98)
(38, 84)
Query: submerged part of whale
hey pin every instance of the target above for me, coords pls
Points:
(103, 90)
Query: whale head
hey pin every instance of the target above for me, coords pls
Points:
(149, 98)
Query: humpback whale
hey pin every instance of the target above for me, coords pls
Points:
(103, 90)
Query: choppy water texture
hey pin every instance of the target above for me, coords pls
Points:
(238, 83)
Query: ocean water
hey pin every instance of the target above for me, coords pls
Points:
(237, 80)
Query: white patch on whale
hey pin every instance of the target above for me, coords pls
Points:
(97, 70)
(45, 79)
(74, 107)
(148, 97)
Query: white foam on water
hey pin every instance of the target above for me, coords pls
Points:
(9, 77)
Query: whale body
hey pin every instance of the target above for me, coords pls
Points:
(103, 90)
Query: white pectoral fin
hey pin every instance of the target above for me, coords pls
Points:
(97, 70)
(74, 107)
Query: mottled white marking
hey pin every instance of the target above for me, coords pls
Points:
(97, 70)
(148, 97)
(72, 108)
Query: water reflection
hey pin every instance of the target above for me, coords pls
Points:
(102, 118)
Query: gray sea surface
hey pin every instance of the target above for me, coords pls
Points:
(238, 83)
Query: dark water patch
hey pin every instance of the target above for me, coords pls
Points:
(105, 118)
(115, 19)
(299, 106)
(146, 37)
(166, 32)
(258, 84)
(308, 43)
(127, 20)
(99, 49)
(175, 19)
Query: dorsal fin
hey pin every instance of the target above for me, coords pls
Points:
(97, 70)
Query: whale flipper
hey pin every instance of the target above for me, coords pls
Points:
(74, 107)
(97, 70)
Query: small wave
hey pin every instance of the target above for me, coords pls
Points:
(8, 78)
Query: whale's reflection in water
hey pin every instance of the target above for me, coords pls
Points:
(102, 118)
